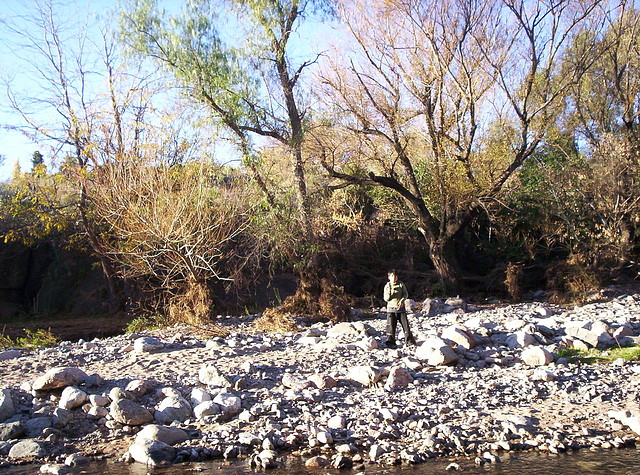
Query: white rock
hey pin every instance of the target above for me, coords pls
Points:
(536, 356)
(72, 397)
(520, 339)
(206, 408)
(209, 374)
(342, 329)
(147, 344)
(460, 336)
(199, 396)
(436, 356)
(7, 409)
(541, 374)
(173, 409)
(337, 422)
(324, 437)
(229, 403)
(365, 375)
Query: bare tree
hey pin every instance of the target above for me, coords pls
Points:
(431, 85)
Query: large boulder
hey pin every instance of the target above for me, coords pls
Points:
(11, 430)
(173, 408)
(59, 377)
(27, 449)
(126, 411)
(7, 408)
(168, 435)
(152, 452)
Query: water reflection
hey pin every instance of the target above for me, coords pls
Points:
(625, 462)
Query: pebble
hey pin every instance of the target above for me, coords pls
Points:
(475, 385)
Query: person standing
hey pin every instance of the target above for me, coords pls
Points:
(395, 294)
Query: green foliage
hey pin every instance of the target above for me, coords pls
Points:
(39, 338)
(631, 353)
(38, 206)
(141, 324)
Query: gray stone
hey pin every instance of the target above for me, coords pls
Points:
(27, 449)
(129, 412)
(173, 409)
(61, 417)
(432, 307)
(292, 381)
(138, 388)
(55, 468)
(152, 452)
(118, 393)
(59, 377)
(168, 435)
(583, 334)
(9, 355)
(147, 344)
(72, 397)
(98, 400)
(76, 460)
(7, 408)
(11, 430)
(37, 425)
(211, 376)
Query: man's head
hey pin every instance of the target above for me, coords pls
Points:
(393, 276)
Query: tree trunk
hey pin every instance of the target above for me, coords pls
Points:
(445, 262)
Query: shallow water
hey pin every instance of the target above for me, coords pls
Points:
(625, 462)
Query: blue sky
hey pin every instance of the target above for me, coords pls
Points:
(15, 146)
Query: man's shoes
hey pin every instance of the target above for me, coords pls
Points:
(410, 342)
(390, 344)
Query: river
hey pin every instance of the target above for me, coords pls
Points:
(625, 461)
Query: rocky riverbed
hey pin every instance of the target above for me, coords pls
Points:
(480, 382)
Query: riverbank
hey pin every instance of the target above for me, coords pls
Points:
(481, 383)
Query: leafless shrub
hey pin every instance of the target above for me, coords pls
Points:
(170, 228)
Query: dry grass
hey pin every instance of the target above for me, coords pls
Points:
(512, 281)
(193, 306)
(275, 320)
(315, 299)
